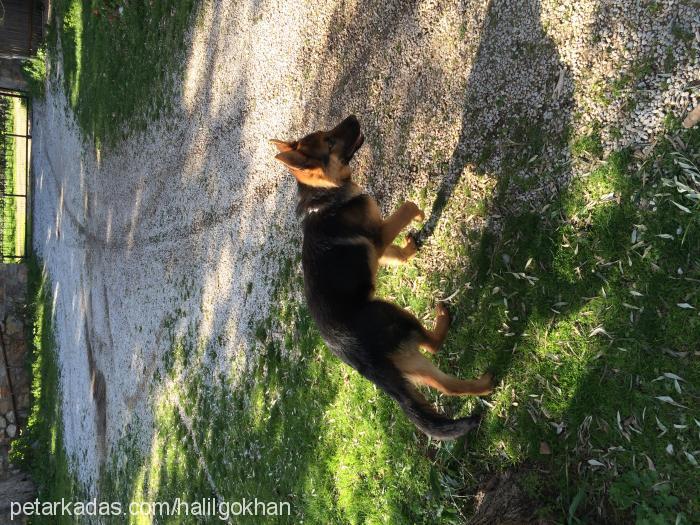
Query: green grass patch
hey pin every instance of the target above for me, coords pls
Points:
(40, 449)
(589, 144)
(34, 71)
(118, 58)
(576, 310)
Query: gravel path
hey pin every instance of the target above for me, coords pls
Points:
(183, 227)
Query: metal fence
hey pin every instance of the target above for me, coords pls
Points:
(15, 150)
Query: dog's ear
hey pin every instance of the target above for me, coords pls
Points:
(282, 145)
(305, 169)
(296, 160)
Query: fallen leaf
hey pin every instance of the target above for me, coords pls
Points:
(599, 331)
(681, 207)
(673, 376)
(650, 463)
(670, 401)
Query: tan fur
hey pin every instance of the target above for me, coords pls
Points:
(437, 336)
(420, 370)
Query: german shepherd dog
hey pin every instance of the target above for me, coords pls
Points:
(345, 239)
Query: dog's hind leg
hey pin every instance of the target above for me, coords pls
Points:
(420, 370)
(432, 339)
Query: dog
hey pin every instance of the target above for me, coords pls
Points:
(345, 240)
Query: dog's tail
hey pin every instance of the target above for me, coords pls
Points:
(424, 416)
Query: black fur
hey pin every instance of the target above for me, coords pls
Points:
(339, 232)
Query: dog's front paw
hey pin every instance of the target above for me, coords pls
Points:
(410, 247)
(416, 212)
(441, 312)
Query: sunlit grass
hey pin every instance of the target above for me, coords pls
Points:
(9, 224)
(117, 59)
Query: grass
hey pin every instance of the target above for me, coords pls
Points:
(40, 449)
(579, 310)
(34, 71)
(117, 59)
(589, 144)
(9, 226)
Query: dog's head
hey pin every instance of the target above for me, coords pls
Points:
(321, 158)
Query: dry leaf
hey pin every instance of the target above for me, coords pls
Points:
(599, 331)
(670, 401)
(681, 207)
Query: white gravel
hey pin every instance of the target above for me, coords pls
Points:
(187, 222)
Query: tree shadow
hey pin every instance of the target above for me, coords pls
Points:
(516, 114)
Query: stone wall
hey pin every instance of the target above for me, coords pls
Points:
(15, 378)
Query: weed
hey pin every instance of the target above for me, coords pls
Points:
(34, 70)
(648, 497)
(588, 145)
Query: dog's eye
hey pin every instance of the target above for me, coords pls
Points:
(331, 143)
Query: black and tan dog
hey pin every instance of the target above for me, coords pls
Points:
(345, 239)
